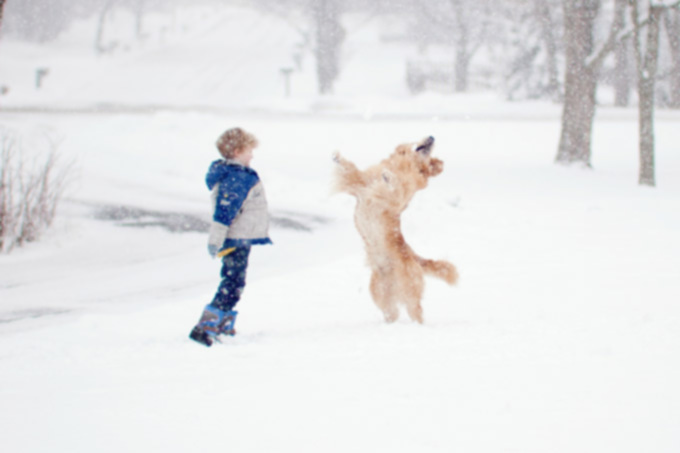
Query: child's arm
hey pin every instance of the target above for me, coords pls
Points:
(217, 236)
(228, 198)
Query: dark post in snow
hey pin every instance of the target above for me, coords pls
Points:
(672, 25)
(40, 74)
(647, 62)
(329, 37)
(286, 73)
(580, 82)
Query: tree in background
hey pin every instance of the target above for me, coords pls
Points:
(646, 57)
(580, 81)
(106, 7)
(329, 37)
(545, 18)
(3, 89)
(583, 64)
(516, 44)
(462, 24)
(139, 7)
(672, 26)
(38, 20)
(104, 12)
(584, 61)
(526, 38)
(319, 24)
(465, 44)
(43, 20)
(622, 74)
(2, 7)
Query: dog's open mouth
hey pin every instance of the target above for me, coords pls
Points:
(425, 147)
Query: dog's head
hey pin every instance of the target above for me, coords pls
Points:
(406, 171)
(420, 155)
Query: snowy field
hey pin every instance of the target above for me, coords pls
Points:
(563, 334)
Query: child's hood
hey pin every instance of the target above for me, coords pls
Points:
(218, 170)
(221, 169)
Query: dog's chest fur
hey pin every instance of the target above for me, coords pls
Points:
(367, 220)
(378, 228)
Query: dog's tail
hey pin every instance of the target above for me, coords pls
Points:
(440, 269)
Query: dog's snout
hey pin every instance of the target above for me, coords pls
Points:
(425, 147)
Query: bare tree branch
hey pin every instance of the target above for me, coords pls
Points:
(616, 35)
(29, 193)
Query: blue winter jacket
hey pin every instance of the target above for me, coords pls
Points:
(240, 215)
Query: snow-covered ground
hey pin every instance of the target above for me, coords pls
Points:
(562, 336)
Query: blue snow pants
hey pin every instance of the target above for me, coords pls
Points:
(233, 281)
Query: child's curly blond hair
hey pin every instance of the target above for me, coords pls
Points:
(233, 141)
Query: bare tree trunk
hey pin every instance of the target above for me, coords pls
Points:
(580, 82)
(329, 37)
(622, 72)
(139, 19)
(622, 81)
(2, 7)
(462, 68)
(672, 23)
(647, 62)
(462, 63)
(99, 44)
(578, 114)
(546, 22)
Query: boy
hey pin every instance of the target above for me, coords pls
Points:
(240, 219)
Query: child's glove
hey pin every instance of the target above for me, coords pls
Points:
(212, 250)
(218, 233)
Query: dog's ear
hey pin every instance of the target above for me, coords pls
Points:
(433, 167)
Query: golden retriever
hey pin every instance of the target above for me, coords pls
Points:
(383, 192)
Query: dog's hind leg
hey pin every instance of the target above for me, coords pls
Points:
(412, 291)
(383, 295)
(415, 311)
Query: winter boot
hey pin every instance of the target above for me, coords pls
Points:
(213, 322)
